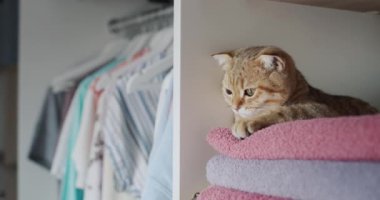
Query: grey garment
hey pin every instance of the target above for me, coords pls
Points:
(48, 127)
(52, 116)
(298, 179)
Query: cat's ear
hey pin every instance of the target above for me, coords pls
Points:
(272, 62)
(223, 59)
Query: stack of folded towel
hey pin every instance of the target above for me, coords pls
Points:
(327, 158)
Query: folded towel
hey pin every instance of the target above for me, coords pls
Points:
(344, 138)
(298, 179)
(221, 193)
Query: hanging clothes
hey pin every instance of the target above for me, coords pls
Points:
(83, 146)
(72, 116)
(128, 129)
(56, 105)
(108, 190)
(48, 128)
(160, 173)
(82, 116)
(94, 166)
(136, 107)
(105, 124)
(69, 190)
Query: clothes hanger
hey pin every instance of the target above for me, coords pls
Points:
(159, 43)
(143, 79)
(145, 22)
(148, 21)
(138, 43)
(111, 50)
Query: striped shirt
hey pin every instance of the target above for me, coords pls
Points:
(128, 126)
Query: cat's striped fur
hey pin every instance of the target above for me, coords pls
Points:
(263, 87)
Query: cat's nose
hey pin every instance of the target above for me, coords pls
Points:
(236, 107)
(236, 104)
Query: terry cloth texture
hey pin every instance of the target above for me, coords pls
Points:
(344, 138)
(221, 193)
(296, 179)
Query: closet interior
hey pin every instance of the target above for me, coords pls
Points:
(103, 129)
(73, 62)
(336, 50)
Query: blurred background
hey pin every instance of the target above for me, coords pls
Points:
(39, 40)
(44, 39)
(8, 97)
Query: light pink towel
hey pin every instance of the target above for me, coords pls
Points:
(221, 193)
(344, 138)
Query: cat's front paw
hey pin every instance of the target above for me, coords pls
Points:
(240, 130)
(243, 129)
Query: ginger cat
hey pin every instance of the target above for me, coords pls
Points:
(263, 87)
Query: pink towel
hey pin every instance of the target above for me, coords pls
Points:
(221, 193)
(344, 138)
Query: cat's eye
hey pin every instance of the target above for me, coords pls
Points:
(229, 92)
(249, 92)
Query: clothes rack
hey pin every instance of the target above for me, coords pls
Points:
(143, 22)
(111, 120)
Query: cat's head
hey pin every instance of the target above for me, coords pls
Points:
(256, 79)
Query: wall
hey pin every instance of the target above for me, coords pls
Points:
(336, 50)
(53, 35)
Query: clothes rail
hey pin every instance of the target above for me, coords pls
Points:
(143, 22)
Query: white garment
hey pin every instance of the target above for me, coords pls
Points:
(159, 180)
(164, 105)
(58, 165)
(93, 188)
(99, 177)
(81, 151)
(108, 189)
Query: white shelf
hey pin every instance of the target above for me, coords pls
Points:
(354, 5)
(336, 50)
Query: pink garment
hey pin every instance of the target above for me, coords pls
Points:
(343, 138)
(221, 193)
